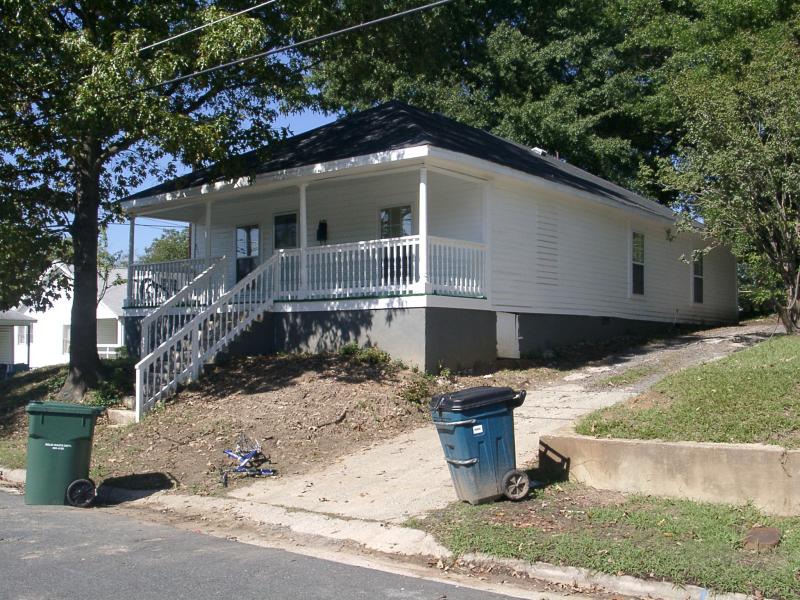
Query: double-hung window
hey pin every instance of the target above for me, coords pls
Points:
(25, 334)
(637, 263)
(65, 338)
(697, 279)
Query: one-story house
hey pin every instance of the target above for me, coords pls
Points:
(440, 243)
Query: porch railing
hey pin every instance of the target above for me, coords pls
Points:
(172, 315)
(154, 283)
(386, 267)
(456, 267)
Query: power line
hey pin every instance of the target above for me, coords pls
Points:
(292, 46)
(199, 27)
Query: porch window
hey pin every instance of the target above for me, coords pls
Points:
(65, 336)
(395, 221)
(637, 264)
(247, 241)
(697, 280)
(285, 231)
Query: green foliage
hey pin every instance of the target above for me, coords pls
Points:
(679, 541)
(368, 355)
(750, 396)
(173, 244)
(419, 389)
(738, 163)
(77, 131)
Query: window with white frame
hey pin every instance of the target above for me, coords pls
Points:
(637, 263)
(395, 222)
(697, 279)
(65, 337)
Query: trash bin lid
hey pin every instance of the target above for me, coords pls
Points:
(37, 407)
(474, 398)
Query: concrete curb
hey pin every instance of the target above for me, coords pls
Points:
(616, 584)
(12, 475)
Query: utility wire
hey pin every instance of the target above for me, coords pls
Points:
(292, 46)
(199, 27)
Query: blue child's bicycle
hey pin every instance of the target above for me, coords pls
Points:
(249, 460)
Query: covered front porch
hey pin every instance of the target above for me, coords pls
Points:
(388, 233)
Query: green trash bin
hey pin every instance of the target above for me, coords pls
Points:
(59, 452)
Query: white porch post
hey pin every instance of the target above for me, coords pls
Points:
(486, 267)
(28, 339)
(423, 231)
(207, 231)
(131, 251)
(303, 237)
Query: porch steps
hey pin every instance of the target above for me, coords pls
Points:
(192, 341)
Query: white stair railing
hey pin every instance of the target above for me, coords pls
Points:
(162, 323)
(181, 358)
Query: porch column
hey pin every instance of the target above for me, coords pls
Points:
(207, 231)
(303, 237)
(131, 251)
(28, 339)
(423, 230)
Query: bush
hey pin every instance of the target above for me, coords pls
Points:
(419, 390)
(349, 350)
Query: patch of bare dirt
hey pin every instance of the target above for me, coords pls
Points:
(304, 410)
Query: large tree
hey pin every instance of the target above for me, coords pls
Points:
(80, 121)
(584, 78)
(738, 165)
(173, 244)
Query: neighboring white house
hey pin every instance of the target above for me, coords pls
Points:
(9, 321)
(440, 243)
(50, 336)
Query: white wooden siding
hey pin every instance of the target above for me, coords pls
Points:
(560, 255)
(6, 345)
(351, 208)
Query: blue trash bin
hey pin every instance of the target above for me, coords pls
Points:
(476, 429)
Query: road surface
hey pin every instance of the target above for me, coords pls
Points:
(58, 552)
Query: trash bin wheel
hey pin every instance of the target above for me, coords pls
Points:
(516, 484)
(81, 493)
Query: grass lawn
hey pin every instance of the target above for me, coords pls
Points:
(678, 541)
(750, 396)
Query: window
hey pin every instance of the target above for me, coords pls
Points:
(25, 334)
(247, 241)
(395, 222)
(285, 231)
(697, 279)
(637, 263)
(65, 339)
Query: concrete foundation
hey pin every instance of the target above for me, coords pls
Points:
(425, 337)
(766, 476)
(539, 332)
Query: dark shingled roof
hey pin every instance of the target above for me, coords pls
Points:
(395, 125)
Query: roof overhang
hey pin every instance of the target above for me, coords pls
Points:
(431, 155)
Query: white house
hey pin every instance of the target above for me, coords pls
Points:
(440, 243)
(50, 336)
(10, 320)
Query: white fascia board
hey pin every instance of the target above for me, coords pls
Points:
(490, 167)
(305, 174)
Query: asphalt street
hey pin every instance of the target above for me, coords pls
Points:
(59, 552)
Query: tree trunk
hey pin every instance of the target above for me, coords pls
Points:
(85, 369)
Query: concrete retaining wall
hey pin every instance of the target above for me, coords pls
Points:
(767, 476)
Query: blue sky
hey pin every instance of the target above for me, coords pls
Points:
(149, 229)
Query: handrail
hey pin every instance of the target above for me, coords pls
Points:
(201, 291)
(154, 283)
(181, 357)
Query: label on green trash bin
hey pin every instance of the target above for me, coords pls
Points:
(477, 429)
(54, 446)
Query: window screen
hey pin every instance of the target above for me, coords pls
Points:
(285, 231)
(395, 222)
(697, 280)
(637, 264)
(247, 241)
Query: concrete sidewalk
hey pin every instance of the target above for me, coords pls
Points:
(407, 476)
